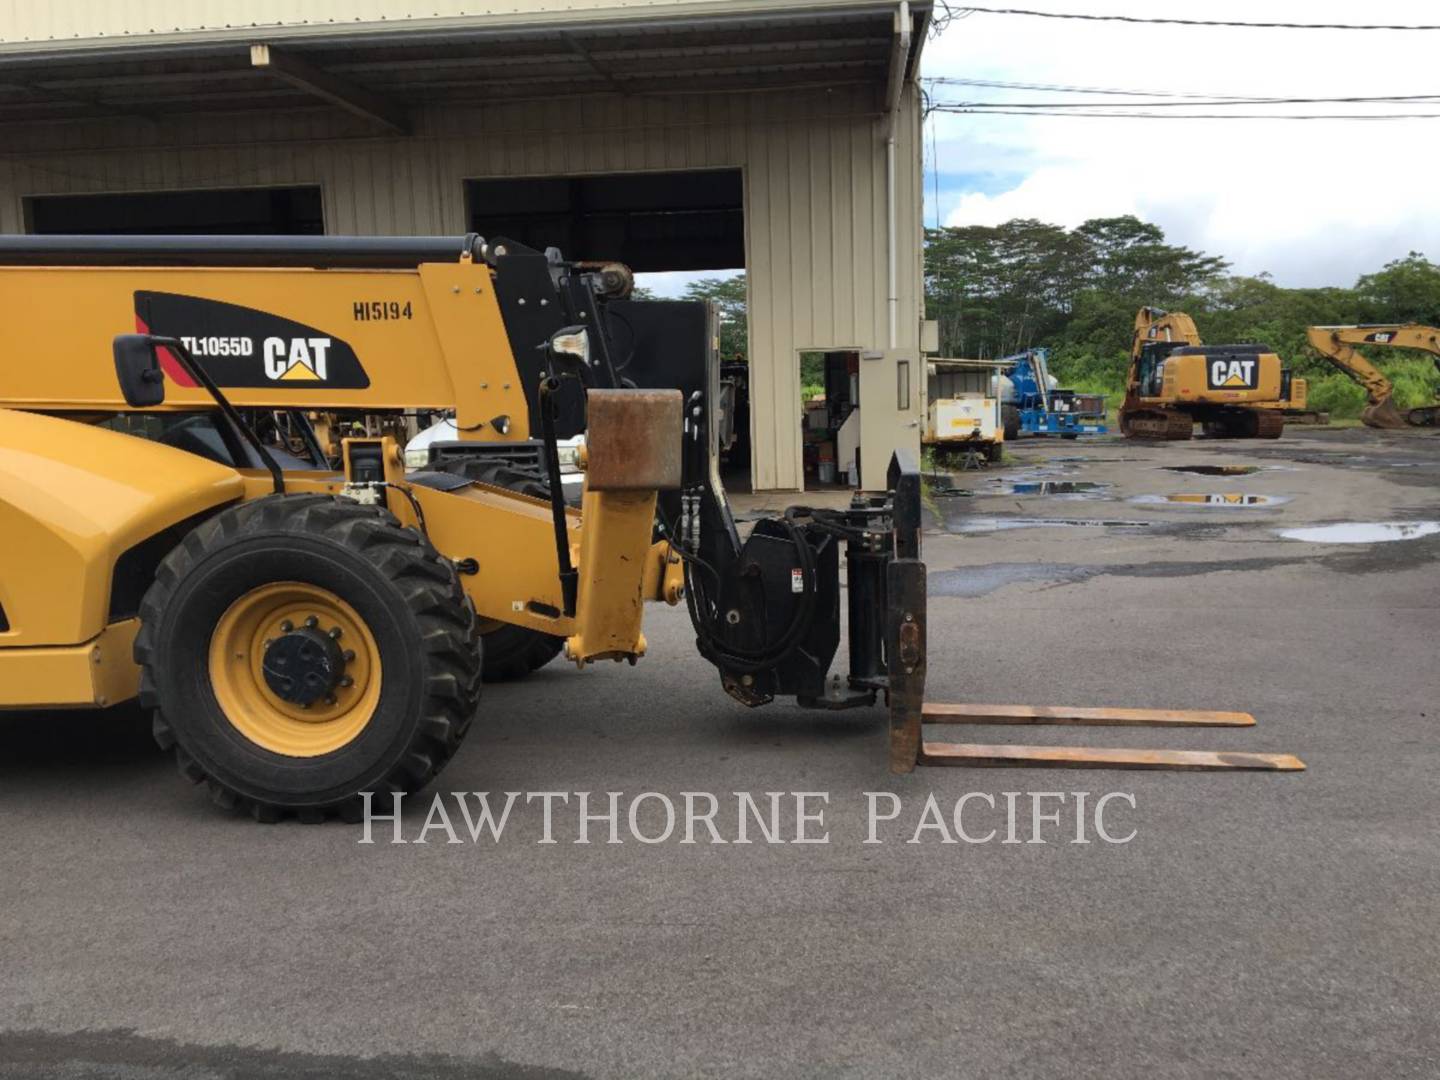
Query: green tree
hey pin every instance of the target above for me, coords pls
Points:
(1129, 257)
(1406, 290)
(729, 295)
(999, 289)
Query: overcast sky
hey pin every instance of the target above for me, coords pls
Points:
(1314, 202)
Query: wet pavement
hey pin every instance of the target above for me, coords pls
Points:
(1256, 926)
(1312, 477)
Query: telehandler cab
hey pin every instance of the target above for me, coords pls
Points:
(305, 634)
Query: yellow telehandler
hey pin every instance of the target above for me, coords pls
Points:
(1338, 345)
(306, 634)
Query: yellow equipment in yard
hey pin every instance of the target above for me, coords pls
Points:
(1338, 345)
(306, 634)
(1175, 382)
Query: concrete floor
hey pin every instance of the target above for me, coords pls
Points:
(1257, 924)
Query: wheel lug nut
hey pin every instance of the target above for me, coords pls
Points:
(329, 699)
(287, 626)
(349, 655)
(336, 633)
(346, 680)
(311, 622)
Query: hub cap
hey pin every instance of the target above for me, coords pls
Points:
(295, 669)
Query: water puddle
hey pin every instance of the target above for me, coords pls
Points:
(1224, 500)
(976, 524)
(1045, 487)
(1362, 532)
(1213, 470)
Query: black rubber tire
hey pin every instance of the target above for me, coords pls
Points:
(1010, 419)
(411, 601)
(511, 652)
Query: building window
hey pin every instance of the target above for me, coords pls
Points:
(284, 211)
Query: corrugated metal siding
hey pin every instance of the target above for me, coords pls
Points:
(814, 181)
(30, 21)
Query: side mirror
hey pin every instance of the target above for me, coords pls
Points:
(138, 369)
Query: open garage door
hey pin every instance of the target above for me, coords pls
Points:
(293, 211)
(652, 222)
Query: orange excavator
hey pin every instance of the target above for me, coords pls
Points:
(1337, 344)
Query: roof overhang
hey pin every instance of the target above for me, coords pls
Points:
(386, 72)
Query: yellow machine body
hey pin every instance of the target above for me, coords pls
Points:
(74, 500)
(368, 340)
(76, 497)
(1201, 380)
(1175, 381)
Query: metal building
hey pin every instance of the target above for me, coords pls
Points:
(778, 135)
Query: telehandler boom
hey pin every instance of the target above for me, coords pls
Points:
(305, 634)
(1337, 344)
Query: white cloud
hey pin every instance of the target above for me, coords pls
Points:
(1314, 202)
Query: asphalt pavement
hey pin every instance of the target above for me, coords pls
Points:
(1253, 925)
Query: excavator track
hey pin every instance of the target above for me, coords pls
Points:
(1167, 425)
(1269, 424)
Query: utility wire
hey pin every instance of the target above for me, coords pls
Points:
(971, 110)
(1181, 98)
(1059, 88)
(962, 10)
(1191, 104)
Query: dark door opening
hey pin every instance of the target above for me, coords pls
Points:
(292, 211)
(650, 221)
(830, 398)
(654, 222)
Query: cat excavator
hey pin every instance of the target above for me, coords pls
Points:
(1175, 381)
(1338, 345)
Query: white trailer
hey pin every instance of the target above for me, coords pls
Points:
(963, 406)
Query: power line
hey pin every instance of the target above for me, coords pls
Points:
(962, 108)
(935, 168)
(1061, 88)
(1219, 102)
(1181, 98)
(966, 9)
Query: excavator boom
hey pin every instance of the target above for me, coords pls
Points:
(1338, 345)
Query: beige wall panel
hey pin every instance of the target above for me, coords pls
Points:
(814, 169)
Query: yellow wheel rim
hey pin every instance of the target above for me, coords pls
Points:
(292, 615)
